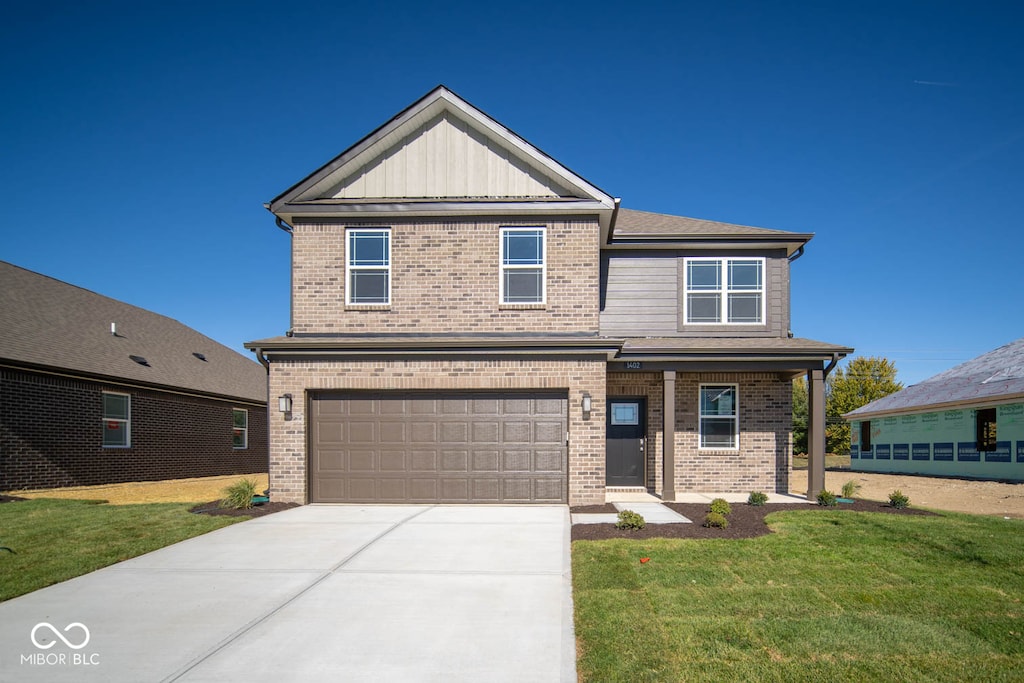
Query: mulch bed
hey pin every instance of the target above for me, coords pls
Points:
(261, 510)
(745, 521)
(10, 499)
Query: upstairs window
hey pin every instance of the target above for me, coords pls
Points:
(368, 267)
(522, 266)
(117, 410)
(719, 417)
(724, 291)
(240, 425)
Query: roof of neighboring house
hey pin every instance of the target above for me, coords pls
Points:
(993, 377)
(49, 324)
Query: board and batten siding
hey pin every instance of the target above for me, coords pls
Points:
(445, 157)
(643, 292)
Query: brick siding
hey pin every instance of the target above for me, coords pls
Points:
(288, 454)
(51, 435)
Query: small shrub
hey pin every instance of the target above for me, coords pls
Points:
(716, 519)
(898, 499)
(721, 506)
(630, 520)
(827, 498)
(239, 495)
(851, 489)
(757, 498)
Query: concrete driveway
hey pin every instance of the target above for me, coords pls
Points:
(317, 593)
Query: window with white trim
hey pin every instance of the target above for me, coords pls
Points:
(719, 416)
(724, 291)
(117, 415)
(523, 265)
(240, 428)
(368, 266)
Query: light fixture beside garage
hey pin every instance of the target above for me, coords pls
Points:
(586, 406)
(284, 403)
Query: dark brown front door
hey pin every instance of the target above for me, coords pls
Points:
(624, 452)
(438, 447)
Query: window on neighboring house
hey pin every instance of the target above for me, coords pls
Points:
(719, 416)
(865, 435)
(240, 424)
(117, 428)
(368, 266)
(522, 265)
(985, 424)
(724, 291)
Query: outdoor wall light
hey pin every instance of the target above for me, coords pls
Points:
(284, 403)
(586, 406)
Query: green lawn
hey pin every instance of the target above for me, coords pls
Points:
(55, 540)
(829, 596)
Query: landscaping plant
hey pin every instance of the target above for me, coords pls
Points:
(898, 499)
(716, 519)
(630, 520)
(720, 506)
(827, 498)
(851, 489)
(239, 495)
(757, 498)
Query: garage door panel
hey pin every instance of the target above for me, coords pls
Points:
(483, 447)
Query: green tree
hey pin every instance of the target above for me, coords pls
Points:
(862, 381)
(800, 415)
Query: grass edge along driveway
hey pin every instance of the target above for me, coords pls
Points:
(55, 540)
(829, 596)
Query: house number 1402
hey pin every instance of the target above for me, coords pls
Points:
(633, 365)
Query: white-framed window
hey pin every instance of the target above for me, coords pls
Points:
(240, 428)
(117, 420)
(523, 265)
(719, 417)
(726, 291)
(368, 266)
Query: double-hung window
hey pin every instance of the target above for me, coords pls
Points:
(724, 291)
(523, 267)
(240, 425)
(117, 415)
(719, 416)
(368, 266)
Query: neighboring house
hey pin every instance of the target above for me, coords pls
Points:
(95, 391)
(474, 322)
(965, 422)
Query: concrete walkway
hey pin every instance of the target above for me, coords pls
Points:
(318, 593)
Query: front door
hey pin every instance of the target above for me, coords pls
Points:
(627, 431)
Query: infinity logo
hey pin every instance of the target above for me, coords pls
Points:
(59, 635)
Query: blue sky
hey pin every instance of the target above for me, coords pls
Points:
(140, 141)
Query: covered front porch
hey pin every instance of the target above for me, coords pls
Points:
(730, 410)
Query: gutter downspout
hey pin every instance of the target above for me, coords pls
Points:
(797, 254)
(614, 218)
(262, 358)
(291, 270)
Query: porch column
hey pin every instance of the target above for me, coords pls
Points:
(668, 417)
(815, 433)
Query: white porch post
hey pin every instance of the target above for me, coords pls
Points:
(815, 433)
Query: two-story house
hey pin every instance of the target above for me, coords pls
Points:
(474, 322)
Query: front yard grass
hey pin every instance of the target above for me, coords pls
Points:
(55, 540)
(829, 596)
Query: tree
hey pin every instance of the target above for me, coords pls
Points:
(862, 381)
(800, 415)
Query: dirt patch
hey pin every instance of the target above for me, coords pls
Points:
(958, 495)
(745, 521)
(140, 492)
(261, 510)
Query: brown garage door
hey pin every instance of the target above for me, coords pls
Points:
(438, 448)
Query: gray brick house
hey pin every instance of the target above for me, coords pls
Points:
(96, 391)
(474, 322)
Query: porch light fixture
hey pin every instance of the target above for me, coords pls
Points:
(586, 406)
(284, 403)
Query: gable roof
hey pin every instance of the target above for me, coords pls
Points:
(51, 325)
(441, 155)
(991, 378)
(632, 228)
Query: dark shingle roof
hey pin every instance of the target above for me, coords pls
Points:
(48, 323)
(645, 224)
(991, 377)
